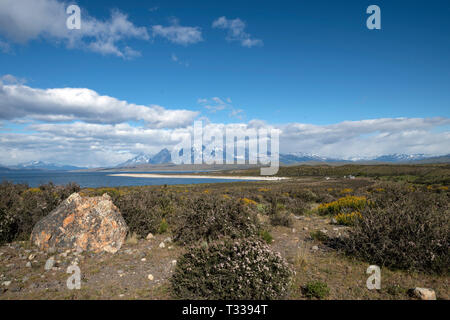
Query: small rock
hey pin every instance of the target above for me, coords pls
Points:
(128, 251)
(293, 230)
(424, 293)
(150, 277)
(28, 265)
(168, 240)
(119, 271)
(143, 259)
(324, 230)
(49, 263)
(6, 283)
(335, 229)
(333, 221)
(174, 262)
(121, 295)
(315, 248)
(170, 247)
(162, 245)
(149, 236)
(305, 228)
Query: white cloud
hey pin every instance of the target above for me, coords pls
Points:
(96, 144)
(177, 60)
(25, 20)
(178, 34)
(236, 31)
(68, 104)
(368, 138)
(5, 47)
(214, 104)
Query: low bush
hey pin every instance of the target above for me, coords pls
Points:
(146, 211)
(282, 219)
(318, 236)
(209, 218)
(266, 236)
(21, 207)
(404, 229)
(231, 270)
(316, 289)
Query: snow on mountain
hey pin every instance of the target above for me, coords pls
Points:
(42, 165)
(137, 160)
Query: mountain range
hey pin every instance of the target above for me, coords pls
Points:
(164, 157)
(41, 165)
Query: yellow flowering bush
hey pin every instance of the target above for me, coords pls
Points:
(348, 219)
(343, 204)
(249, 201)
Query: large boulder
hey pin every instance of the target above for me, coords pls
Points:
(82, 223)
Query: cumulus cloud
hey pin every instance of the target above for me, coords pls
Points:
(178, 34)
(97, 144)
(235, 28)
(216, 104)
(25, 20)
(368, 138)
(69, 104)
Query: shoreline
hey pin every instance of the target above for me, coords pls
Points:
(185, 176)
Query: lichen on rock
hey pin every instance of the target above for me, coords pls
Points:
(83, 223)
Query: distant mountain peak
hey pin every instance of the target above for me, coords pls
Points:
(43, 165)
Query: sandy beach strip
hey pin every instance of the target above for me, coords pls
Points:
(185, 176)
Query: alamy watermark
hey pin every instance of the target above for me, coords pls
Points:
(230, 145)
(74, 20)
(74, 281)
(374, 280)
(374, 20)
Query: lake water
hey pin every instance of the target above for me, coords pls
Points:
(94, 179)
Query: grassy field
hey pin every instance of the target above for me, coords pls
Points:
(327, 232)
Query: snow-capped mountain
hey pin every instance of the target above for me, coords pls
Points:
(42, 165)
(161, 157)
(139, 159)
(401, 157)
(296, 157)
(164, 157)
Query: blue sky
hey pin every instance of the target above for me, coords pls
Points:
(311, 63)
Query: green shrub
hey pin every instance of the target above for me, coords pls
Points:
(316, 289)
(407, 230)
(318, 235)
(163, 226)
(231, 270)
(266, 236)
(282, 219)
(144, 210)
(262, 208)
(21, 207)
(209, 218)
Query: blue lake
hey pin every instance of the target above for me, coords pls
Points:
(94, 179)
